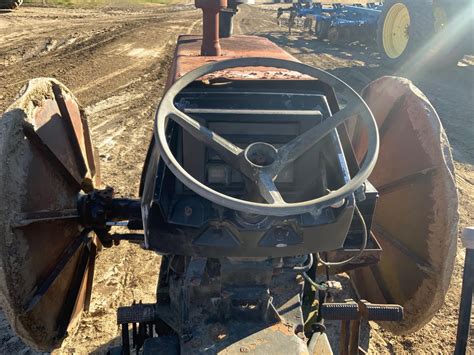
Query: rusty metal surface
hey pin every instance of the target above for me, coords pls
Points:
(187, 58)
(249, 332)
(416, 216)
(46, 259)
(258, 338)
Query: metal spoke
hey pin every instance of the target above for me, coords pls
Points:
(229, 152)
(268, 190)
(299, 145)
(49, 155)
(65, 257)
(69, 126)
(27, 219)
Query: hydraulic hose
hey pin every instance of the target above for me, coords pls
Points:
(361, 250)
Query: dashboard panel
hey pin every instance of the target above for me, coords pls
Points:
(245, 115)
(179, 221)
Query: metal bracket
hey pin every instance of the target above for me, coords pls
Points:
(98, 210)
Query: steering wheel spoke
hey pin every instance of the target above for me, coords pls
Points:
(301, 144)
(228, 151)
(269, 191)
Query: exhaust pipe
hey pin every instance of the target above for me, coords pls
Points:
(210, 27)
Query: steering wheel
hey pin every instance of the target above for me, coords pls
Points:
(261, 162)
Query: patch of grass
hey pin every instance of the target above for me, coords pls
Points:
(96, 3)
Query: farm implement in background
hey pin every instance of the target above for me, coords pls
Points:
(437, 33)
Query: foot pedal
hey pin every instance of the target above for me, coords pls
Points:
(382, 312)
(136, 313)
(363, 309)
(340, 311)
(141, 317)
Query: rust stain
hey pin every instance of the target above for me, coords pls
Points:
(284, 328)
(253, 344)
(188, 58)
(218, 332)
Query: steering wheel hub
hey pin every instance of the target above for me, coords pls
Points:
(260, 155)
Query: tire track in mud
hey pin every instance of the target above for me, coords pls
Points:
(125, 273)
(120, 76)
(75, 49)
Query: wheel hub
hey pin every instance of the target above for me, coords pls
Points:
(396, 30)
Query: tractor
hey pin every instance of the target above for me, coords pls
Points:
(264, 178)
(10, 4)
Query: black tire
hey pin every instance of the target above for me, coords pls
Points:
(334, 35)
(308, 24)
(420, 30)
(447, 46)
(453, 46)
(15, 4)
(321, 29)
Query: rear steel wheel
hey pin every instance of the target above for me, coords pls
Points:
(416, 217)
(46, 256)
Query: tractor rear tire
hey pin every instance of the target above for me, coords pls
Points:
(321, 29)
(434, 39)
(404, 27)
(452, 42)
(12, 5)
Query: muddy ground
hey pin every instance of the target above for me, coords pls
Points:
(116, 61)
